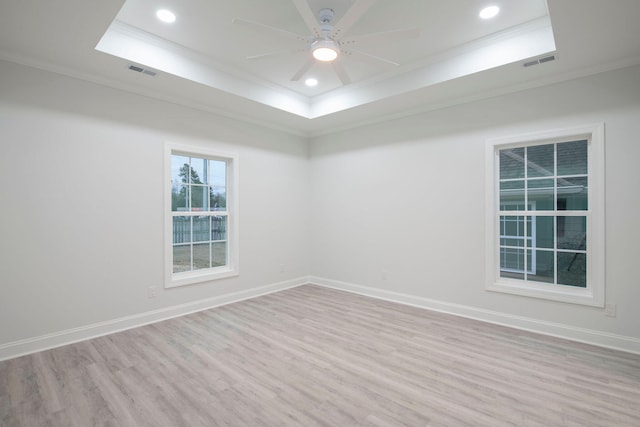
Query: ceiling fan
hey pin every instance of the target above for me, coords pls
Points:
(327, 42)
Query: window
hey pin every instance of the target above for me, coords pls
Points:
(201, 215)
(545, 215)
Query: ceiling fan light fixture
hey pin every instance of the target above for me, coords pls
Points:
(325, 50)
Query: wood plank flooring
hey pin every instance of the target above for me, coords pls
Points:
(313, 356)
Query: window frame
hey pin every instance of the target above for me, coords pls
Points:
(231, 268)
(594, 292)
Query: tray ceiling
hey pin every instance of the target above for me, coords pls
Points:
(205, 45)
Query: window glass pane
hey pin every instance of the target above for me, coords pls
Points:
(181, 258)
(219, 230)
(179, 177)
(179, 197)
(201, 256)
(572, 269)
(179, 169)
(572, 158)
(543, 234)
(217, 173)
(199, 172)
(573, 194)
(199, 198)
(511, 242)
(542, 268)
(218, 199)
(511, 274)
(512, 163)
(572, 232)
(514, 226)
(512, 263)
(201, 228)
(218, 182)
(181, 229)
(540, 194)
(512, 195)
(218, 254)
(540, 160)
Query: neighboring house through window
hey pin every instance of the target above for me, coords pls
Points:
(545, 215)
(201, 223)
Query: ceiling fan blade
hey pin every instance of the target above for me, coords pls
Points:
(367, 57)
(341, 72)
(270, 29)
(351, 17)
(272, 54)
(297, 76)
(384, 36)
(308, 16)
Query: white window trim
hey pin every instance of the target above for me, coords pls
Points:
(594, 293)
(232, 267)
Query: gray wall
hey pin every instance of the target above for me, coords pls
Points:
(82, 220)
(81, 176)
(406, 200)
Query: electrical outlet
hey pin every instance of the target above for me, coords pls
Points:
(282, 268)
(384, 274)
(152, 292)
(610, 310)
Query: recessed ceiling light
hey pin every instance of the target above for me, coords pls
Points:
(311, 82)
(166, 16)
(489, 12)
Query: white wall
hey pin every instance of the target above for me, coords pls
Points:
(81, 193)
(408, 197)
(81, 206)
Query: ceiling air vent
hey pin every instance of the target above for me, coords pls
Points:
(142, 70)
(547, 59)
(539, 61)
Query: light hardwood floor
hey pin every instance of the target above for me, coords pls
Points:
(314, 356)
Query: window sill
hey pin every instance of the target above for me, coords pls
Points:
(193, 277)
(562, 293)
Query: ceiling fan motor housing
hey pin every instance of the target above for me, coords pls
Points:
(326, 16)
(326, 21)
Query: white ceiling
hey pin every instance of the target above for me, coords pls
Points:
(201, 58)
(207, 45)
(207, 27)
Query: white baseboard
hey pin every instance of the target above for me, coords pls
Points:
(588, 336)
(70, 336)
